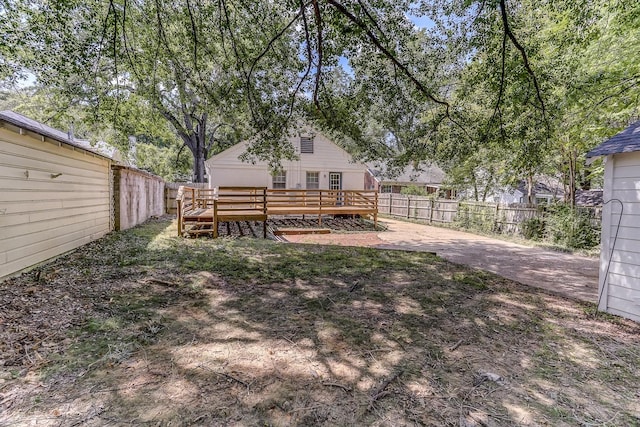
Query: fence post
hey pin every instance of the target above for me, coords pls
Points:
(432, 206)
(408, 206)
(390, 202)
(495, 217)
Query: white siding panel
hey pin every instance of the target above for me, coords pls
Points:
(626, 257)
(25, 229)
(627, 245)
(628, 231)
(34, 196)
(59, 187)
(53, 239)
(52, 199)
(622, 290)
(63, 213)
(630, 311)
(29, 206)
(37, 257)
(64, 161)
(626, 196)
(20, 173)
(625, 291)
(626, 183)
(627, 160)
(625, 269)
(630, 212)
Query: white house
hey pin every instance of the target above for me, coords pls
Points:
(321, 165)
(619, 284)
(542, 193)
(428, 177)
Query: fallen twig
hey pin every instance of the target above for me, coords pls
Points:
(354, 286)
(456, 345)
(239, 381)
(380, 392)
(344, 387)
(159, 281)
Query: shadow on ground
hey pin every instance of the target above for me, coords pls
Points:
(171, 331)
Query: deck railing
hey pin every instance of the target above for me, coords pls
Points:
(202, 206)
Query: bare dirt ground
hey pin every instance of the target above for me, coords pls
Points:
(572, 276)
(145, 328)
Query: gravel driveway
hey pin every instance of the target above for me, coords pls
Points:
(572, 276)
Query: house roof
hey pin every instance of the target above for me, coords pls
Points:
(626, 141)
(589, 198)
(41, 129)
(538, 188)
(424, 174)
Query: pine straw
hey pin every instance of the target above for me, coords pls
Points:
(145, 328)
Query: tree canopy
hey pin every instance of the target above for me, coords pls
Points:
(492, 90)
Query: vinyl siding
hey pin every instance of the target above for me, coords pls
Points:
(225, 169)
(53, 198)
(621, 293)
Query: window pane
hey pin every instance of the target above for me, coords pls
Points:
(313, 180)
(280, 180)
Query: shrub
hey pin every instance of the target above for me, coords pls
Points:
(571, 228)
(414, 190)
(533, 228)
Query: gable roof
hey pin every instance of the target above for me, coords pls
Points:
(424, 174)
(43, 130)
(626, 141)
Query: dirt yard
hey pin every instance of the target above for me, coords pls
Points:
(145, 328)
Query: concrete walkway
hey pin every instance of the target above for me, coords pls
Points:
(569, 275)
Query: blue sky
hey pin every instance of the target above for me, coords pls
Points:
(418, 21)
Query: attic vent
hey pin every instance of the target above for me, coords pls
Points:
(306, 144)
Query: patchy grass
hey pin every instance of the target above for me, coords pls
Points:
(143, 327)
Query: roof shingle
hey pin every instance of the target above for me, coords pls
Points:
(626, 141)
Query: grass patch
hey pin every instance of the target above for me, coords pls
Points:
(145, 327)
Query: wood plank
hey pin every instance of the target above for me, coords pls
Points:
(300, 231)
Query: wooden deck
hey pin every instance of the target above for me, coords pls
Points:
(201, 210)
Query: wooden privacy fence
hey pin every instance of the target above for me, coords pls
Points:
(484, 216)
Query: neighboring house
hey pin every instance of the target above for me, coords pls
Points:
(542, 193)
(55, 194)
(426, 177)
(589, 198)
(321, 165)
(619, 283)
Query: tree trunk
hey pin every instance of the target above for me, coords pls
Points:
(196, 146)
(573, 164)
(530, 196)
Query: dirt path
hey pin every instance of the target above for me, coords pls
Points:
(569, 275)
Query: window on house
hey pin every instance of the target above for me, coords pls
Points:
(280, 179)
(385, 188)
(306, 144)
(313, 180)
